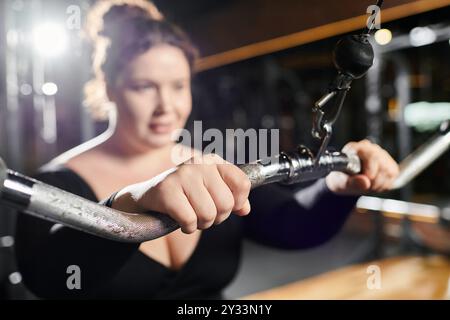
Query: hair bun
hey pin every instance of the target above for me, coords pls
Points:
(108, 17)
(120, 17)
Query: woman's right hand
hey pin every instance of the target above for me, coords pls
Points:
(200, 193)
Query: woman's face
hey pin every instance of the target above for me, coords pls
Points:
(153, 96)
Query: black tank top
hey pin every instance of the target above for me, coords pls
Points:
(113, 270)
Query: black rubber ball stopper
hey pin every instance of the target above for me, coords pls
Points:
(353, 55)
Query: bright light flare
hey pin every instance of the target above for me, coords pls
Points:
(383, 36)
(49, 89)
(50, 39)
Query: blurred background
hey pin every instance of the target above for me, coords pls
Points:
(264, 64)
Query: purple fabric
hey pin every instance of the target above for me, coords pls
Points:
(296, 220)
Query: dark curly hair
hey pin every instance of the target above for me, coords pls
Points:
(119, 31)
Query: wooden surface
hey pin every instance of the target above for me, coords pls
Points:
(401, 278)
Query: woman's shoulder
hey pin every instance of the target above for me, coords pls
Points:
(81, 153)
(61, 176)
(74, 162)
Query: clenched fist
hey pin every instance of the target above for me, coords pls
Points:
(378, 171)
(197, 194)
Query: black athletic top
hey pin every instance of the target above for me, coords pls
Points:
(114, 270)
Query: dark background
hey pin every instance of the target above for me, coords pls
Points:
(264, 90)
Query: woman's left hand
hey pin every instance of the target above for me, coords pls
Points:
(378, 171)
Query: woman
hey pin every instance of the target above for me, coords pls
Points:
(143, 68)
